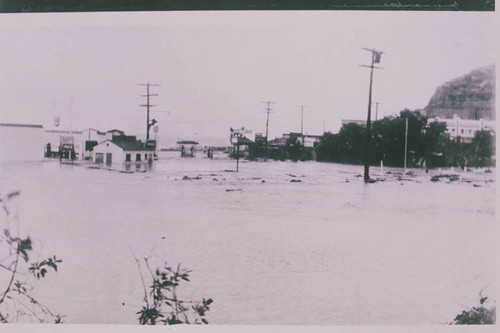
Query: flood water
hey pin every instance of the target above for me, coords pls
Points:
(276, 243)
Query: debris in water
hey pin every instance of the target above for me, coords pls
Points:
(233, 189)
(451, 177)
(294, 176)
(190, 178)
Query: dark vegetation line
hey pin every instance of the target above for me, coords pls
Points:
(429, 146)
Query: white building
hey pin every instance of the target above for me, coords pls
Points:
(114, 132)
(90, 138)
(56, 138)
(465, 129)
(83, 141)
(122, 149)
(21, 142)
(354, 121)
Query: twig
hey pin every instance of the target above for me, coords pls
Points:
(142, 278)
(11, 278)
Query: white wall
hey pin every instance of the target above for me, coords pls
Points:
(21, 143)
(109, 147)
(54, 138)
(89, 135)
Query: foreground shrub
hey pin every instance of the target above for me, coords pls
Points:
(18, 272)
(478, 315)
(161, 302)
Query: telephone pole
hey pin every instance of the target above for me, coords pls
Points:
(376, 110)
(376, 55)
(302, 123)
(148, 105)
(268, 111)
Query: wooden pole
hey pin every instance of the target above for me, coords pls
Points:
(368, 127)
(406, 144)
(375, 59)
(237, 152)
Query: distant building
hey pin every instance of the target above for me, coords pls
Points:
(122, 149)
(80, 142)
(114, 132)
(59, 141)
(354, 121)
(90, 138)
(464, 129)
(187, 147)
(308, 143)
(21, 142)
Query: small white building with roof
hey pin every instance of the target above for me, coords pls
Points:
(122, 149)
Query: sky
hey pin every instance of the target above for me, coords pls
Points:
(215, 69)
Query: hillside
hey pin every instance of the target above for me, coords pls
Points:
(471, 96)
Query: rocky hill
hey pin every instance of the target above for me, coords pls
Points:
(471, 96)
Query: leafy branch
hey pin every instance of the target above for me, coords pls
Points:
(162, 304)
(16, 302)
(478, 315)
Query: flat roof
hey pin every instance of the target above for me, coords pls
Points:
(21, 125)
(63, 131)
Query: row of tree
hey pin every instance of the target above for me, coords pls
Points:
(428, 145)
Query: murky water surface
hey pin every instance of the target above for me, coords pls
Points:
(276, 243)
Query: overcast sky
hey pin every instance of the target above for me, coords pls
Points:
(216, 68)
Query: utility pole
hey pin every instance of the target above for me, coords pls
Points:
(376, 55)
(302, 123)
(406, 146)
(268, 111)
(376, 110)
(147, 106)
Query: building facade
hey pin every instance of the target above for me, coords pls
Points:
(464, 130)
(21, 142)
(122, 150)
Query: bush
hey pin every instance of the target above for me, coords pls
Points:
(478, 315)
(17, 270)
(162, 304)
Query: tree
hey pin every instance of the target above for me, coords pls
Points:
(327, 148)
(435, 141)
(482, 148)
(293, 148)
(162, 304)
(351, 144)
(17, 271)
